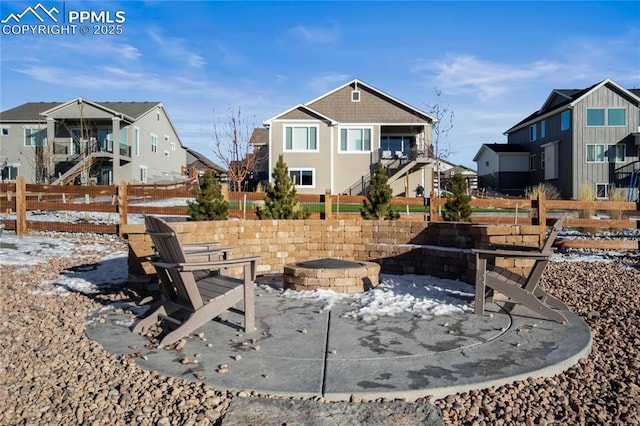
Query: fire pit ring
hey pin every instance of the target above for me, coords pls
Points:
(341, 276)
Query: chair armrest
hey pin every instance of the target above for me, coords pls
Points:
(510, 253)
(197, 253)
(200, 266)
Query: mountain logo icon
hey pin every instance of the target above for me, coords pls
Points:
(38, 11)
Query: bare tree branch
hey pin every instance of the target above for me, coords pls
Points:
(233, 147)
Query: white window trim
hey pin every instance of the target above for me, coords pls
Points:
(354, 127)
(136, 141)
(606, 116)
(533, 159)
(614, 145)
(3, 128)
(542, 160)
(173, 146)
(586, 153)
(305, 169)
(586, 117)
(146, 174)
(606, 190)
(151, 136)
(533, 132)
(355, 96)
(33, 127)
(302, 124)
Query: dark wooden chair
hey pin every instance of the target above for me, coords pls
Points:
(193, 291)
(519, 288)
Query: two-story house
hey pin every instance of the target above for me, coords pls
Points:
(87, 142)
(587, 136)
(334, 142)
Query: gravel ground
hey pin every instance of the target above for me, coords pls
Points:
(51, 373)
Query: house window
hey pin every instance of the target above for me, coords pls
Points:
(5, 131)
(543, 129)
(595, 116)
(34, 136)
(602, 190)
(355, 96)
(136, 142)
(595, 153)
(616, 117)
(154, 143)
(302, 177)
(532, 162)
(533, 133)
(143, 174)
(565, 120)
(301, 138)
(173, 146)
(355, 140)
(167, 138)
(616, 153)
(486, 164)
(9, 173)
(542, 160)
(166, 153)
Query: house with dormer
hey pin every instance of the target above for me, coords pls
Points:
(335, 141)
(579, 136)
(87, 142)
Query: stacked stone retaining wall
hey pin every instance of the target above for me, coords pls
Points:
(441, 249)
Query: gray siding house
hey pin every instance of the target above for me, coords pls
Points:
(334, 142)
(587, 136)
(88, 142)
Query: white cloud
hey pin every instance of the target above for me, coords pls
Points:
(175, 49)
(329, 34)
(465, 73)
(327, 81)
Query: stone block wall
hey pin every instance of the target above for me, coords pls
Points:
(440, 249)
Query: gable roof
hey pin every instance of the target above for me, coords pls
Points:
(304, 108)
(35, 111)
(357, 83)
(201, 162)
(561, 99)
(259, 136)
(501, 148)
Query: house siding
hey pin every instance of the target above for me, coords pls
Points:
(340, 171)
(572, 166)
(372, 108)
(603, 97)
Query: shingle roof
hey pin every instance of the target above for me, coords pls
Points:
(30, 111)
(505, 147)
(260, 136)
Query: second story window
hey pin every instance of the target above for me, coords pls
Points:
(533, 132)
(154, 143)
(616, 117)
(565, 120)
(34, 136)
(355, 140)
(543, 129)
(595, 117)
(595, 153)
(301, 138)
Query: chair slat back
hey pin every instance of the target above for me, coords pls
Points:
(169, 249)
(555, 230)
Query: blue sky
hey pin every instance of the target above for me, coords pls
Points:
(493, 62)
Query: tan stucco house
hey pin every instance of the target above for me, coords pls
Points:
(334, 141)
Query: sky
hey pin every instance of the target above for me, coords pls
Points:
(489, 63)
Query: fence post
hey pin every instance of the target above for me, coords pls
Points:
(21, 206)
(542, 217)
(123, 205)
(433, 212)
(328, 204)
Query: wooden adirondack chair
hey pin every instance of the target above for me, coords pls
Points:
(519, 288)
(195, 292)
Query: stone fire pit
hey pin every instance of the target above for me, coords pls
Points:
(341, 276)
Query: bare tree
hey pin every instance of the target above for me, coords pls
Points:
(233, 147)
(444, 123)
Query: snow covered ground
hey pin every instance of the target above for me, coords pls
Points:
(424, 296)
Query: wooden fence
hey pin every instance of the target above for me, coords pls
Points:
(105, 209)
